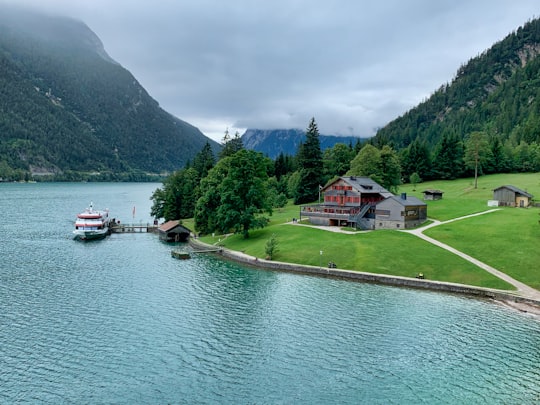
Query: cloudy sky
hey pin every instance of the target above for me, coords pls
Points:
(354, 65)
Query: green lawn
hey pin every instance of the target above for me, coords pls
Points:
(506, 239)
(461, 198)
(382, 252)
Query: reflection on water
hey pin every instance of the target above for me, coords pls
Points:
(120, 321)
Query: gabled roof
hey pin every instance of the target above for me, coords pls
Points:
(515, 190)
(409, 200)
(432, 191)
(170, 225)
(364, 185)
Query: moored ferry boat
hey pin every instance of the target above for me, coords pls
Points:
(92, 224)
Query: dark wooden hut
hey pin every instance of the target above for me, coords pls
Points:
(173, 231)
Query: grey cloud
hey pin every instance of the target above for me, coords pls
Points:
(350, 64)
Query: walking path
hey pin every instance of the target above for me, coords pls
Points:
(523, 290)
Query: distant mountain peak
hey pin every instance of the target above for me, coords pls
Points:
(273, 142)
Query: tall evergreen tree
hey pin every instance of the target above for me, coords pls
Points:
(448, 161)
(283, 165)
(416, 159)
(204, 160)
(231, 145)
(310, 165)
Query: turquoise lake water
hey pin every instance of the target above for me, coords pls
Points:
(119, 321)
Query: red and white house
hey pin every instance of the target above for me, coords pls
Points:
(360, 202)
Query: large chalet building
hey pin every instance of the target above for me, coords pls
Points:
(361, 203)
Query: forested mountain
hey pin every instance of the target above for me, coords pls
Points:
(273, 142)
(497, 92)
(66, 107)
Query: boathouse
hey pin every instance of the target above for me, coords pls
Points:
(510, 196)
(173, 231)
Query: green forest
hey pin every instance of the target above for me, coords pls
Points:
(70, 112)
(495, 94)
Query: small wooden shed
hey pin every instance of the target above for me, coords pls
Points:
(512, 196)
(173, 231)
(431, 194)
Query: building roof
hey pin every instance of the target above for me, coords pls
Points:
(364, 185)
(432, 191)
(170, 225)
(408, 200)
(515, 190)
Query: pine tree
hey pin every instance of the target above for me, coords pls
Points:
(231, 145)
(448, 161)
(310, 165)
(416, 159)
(204, 160)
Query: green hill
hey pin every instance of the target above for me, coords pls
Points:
(496, 92)
(67, 108)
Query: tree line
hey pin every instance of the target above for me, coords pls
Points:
(237, 190)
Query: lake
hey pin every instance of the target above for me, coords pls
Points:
(119, 321)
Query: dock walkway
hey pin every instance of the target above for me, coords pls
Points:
(133, 228)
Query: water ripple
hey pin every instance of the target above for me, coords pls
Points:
(121, 322)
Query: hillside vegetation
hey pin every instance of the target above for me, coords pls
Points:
(496, 92)
(67, 108)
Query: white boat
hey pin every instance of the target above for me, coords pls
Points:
(92, 224)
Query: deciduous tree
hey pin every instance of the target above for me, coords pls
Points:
(476, 153)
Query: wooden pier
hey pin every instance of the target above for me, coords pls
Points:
(133, 228)
(180, 254)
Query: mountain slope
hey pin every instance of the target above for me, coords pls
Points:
(65, 105)
(273, 142)
(496, 92)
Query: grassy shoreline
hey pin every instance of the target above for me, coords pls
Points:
(506, 240)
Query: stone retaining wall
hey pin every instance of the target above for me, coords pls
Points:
(366, 277)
